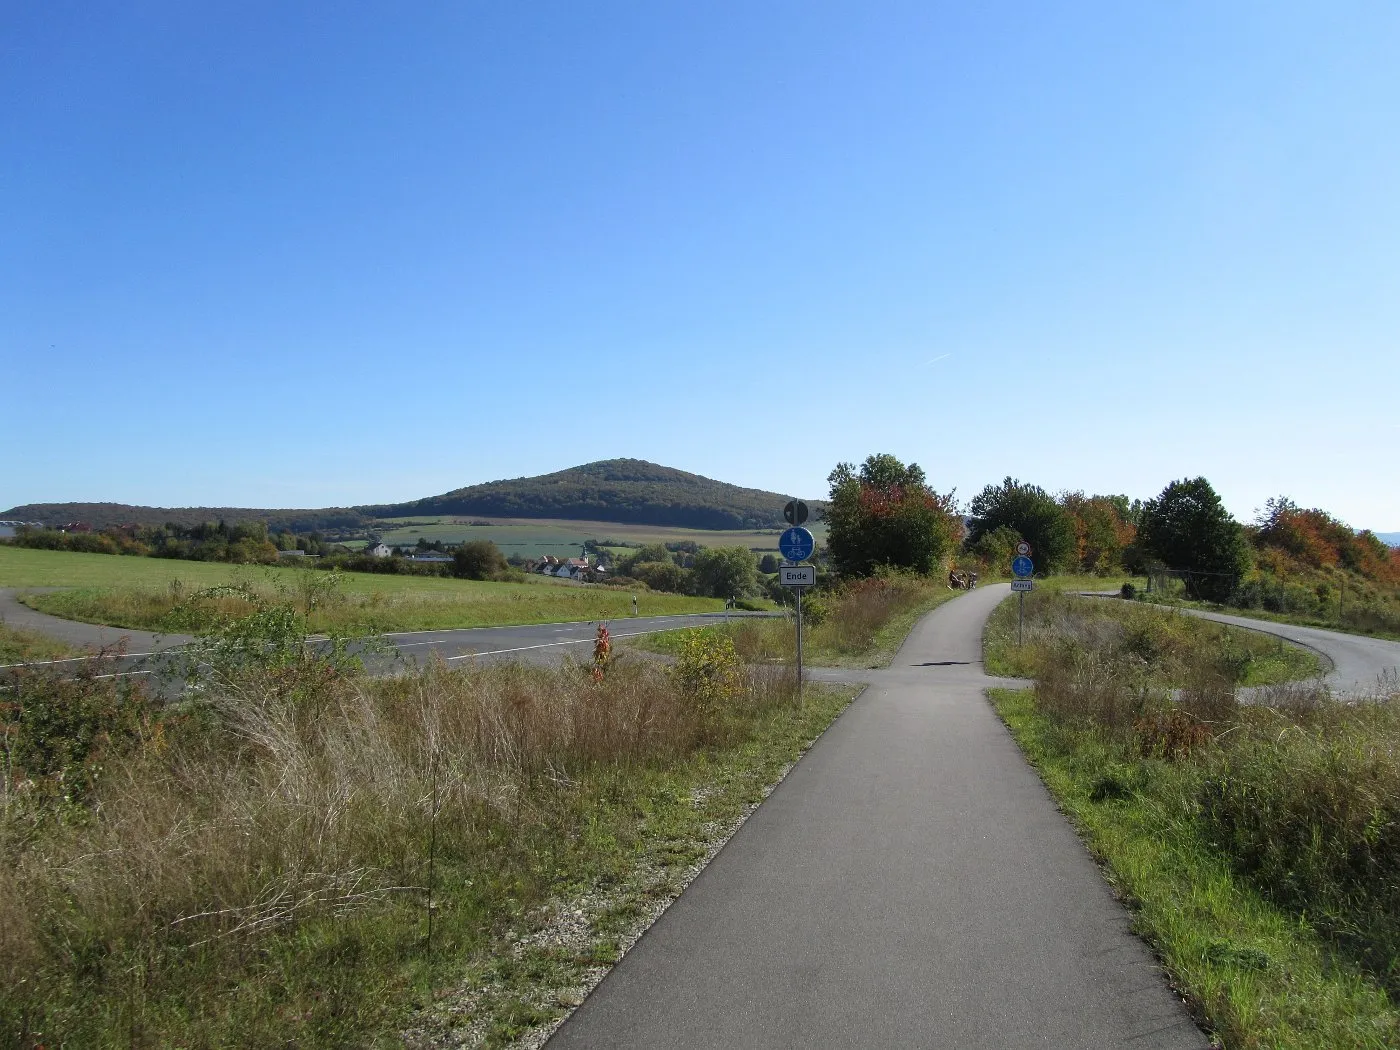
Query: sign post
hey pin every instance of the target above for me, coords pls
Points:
(797, 545)
(1021, 568)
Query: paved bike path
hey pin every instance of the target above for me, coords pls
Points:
(910, 884)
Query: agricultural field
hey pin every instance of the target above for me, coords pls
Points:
(139, 593)
(533, 538)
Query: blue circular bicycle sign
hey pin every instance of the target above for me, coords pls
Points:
(1022, 566)
(796, 544)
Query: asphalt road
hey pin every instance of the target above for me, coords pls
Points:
(547, 642)
(1359, 664)
(910, 884)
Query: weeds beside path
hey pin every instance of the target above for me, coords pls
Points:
(1258, 845)
(859, 625)
(309, 856)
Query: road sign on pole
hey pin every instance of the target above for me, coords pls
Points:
(1022, 585)
(796, 544)
(1022, 566)
(1023, 548)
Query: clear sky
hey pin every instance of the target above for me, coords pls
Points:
(284, 254)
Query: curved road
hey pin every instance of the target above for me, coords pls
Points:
(535, 642)
(910, 884)
(1361, 666)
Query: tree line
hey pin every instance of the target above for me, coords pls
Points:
(244, 542)
(885, 514)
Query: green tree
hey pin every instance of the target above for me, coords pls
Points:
(994, 550)
(1033, 514)
(478, 560)
(725, 572)
(662, 576)
(652, 552)
(768, 564)
(1189, 529)
(884, 513)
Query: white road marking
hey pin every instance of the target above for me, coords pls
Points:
(546, 645)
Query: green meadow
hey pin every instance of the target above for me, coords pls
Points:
(139, 593)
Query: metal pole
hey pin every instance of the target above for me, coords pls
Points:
(799, 646)
(1020, 616)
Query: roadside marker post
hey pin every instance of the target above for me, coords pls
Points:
(796, 546)
(1021, 567)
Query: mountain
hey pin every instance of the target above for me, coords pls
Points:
(1390, 539)
(622, 490)
(630, 491)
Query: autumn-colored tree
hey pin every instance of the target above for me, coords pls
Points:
(1103, 529)
(884, 513)
(1314, 539)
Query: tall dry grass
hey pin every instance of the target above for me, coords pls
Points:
(302, 796)
(858, 611)
(1298, 792)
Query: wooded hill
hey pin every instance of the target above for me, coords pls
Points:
(105, 515)
(630, 491)
(622, 490)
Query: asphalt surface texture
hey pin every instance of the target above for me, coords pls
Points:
(909, 884)
(141, 652)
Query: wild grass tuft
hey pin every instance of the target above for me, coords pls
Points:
(260, 865)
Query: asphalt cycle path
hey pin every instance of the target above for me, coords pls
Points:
(909, 884)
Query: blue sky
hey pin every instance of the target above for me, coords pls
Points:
(303, 255)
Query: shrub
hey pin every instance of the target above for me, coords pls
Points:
(57, 730)
(707, 671)
(478, 560)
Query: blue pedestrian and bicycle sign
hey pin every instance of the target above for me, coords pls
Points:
(1021, 566)
(796, 544)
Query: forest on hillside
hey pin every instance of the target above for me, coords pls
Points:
(629, 491)
(622, 490)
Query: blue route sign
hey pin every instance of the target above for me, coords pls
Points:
(796, 544)
(1022, 566)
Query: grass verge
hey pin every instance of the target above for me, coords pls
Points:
(1259, 974)
(1259, 844)
(1362, 622)
(310, 857)
(1136, 642)
(18, 645)
(861, 624)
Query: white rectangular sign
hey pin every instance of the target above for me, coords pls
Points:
(1020, 585)
(797, 575)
